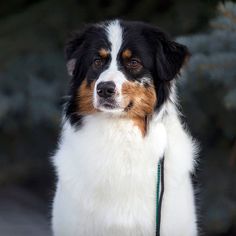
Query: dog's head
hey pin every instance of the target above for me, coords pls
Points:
(121, 68)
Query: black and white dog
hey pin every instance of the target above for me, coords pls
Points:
(120, 120)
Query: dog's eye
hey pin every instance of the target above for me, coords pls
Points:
(133, 64)
(98, 63)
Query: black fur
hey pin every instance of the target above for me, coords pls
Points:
(161, 58)
(82, 46)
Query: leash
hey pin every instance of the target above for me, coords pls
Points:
(159, 197)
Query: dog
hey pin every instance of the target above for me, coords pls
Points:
(119, 122)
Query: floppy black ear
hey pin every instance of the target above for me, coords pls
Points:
(170, 56)
(73, 48)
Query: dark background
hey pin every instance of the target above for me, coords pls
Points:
(33, 81)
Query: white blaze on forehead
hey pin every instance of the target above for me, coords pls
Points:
(114, 34)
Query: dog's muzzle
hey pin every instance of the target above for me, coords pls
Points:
(106, 90)
(106, 94)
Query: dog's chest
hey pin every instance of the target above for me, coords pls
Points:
(110, 170)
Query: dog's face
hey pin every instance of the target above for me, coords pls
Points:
(123, 68)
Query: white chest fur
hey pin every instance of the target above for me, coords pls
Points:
(107, 177)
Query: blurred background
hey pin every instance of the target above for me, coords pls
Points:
(33, 81)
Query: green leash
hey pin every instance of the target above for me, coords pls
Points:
(160, 183)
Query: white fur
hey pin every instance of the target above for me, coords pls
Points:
(107, 178)
(114, 35)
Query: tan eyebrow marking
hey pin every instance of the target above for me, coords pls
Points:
(103, 53)
(126, 54)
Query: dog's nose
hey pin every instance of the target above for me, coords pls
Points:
(106, 89)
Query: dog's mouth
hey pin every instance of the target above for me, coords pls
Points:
(108, 105)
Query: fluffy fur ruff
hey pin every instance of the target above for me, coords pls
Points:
(107, 177)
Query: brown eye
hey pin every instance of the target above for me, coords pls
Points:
(134, 64)
(98, 63)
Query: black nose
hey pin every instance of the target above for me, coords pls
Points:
(106, 89)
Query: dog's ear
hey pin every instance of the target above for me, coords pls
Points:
(170, 56)
(73, 48)
(173, 57)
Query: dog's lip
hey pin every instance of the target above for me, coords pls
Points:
(109, 105)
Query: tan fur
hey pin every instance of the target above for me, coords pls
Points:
(143, 100)
(126, 54)
(141, 124)
(103, 53)
(85, 98)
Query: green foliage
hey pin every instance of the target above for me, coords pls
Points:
(212, 68)
(208, 89)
